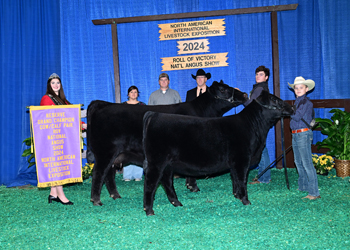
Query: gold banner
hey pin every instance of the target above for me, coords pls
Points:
(193, 46)
(192, 29)
(194, 61)
(59, 183)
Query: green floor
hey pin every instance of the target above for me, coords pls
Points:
(211, 219)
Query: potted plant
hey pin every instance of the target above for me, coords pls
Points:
(323, 164)
(87, 170)
(337, 141)
(27, 152)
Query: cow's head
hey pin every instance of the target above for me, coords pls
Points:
(222, 91)
(272, 102)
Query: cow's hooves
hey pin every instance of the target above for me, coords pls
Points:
(194, 189)
(246, 203)
(177, 204)
(115, 196)
(150, 213)
(97, 203)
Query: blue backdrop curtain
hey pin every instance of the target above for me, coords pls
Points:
(30, 52)
(41, 37)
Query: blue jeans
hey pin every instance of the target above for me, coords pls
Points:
(303, 160)
(132, 172)
(264, 163)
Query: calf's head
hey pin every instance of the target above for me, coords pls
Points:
(222, 91)
(272, 102)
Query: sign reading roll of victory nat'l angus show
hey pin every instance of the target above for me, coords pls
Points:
(57, 144)
(194, 61)
(193, 29)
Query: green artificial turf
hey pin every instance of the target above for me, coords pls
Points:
(210, 219)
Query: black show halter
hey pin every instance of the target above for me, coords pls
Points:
(230, 99)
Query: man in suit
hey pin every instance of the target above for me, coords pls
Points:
(201, 78)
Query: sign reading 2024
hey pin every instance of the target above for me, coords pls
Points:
(193, 46)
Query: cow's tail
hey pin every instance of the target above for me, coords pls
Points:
(93, 106)
(146, 121)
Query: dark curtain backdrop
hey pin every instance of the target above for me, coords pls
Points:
(41, 37)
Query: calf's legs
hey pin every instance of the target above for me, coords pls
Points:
(150, 185)
(98, 176)
(110, 183)
(167, 180)
(152, 178)
(121, 160)
(191, 184)
(239, 184)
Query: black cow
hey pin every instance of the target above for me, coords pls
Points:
(114, 131)
(196, 146)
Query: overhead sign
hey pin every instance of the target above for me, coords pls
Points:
(194, 61)
(192, 29)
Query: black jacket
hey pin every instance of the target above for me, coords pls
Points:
(191, 94)
(256, 91)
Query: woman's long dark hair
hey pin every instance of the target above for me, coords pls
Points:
(61, 96)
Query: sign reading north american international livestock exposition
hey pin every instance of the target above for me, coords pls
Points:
(192, 29)
(57, 144)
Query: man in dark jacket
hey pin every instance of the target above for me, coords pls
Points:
(201, 78)
(261, 78)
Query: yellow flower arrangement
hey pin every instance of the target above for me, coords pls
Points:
(87, 170)
(323, 163)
